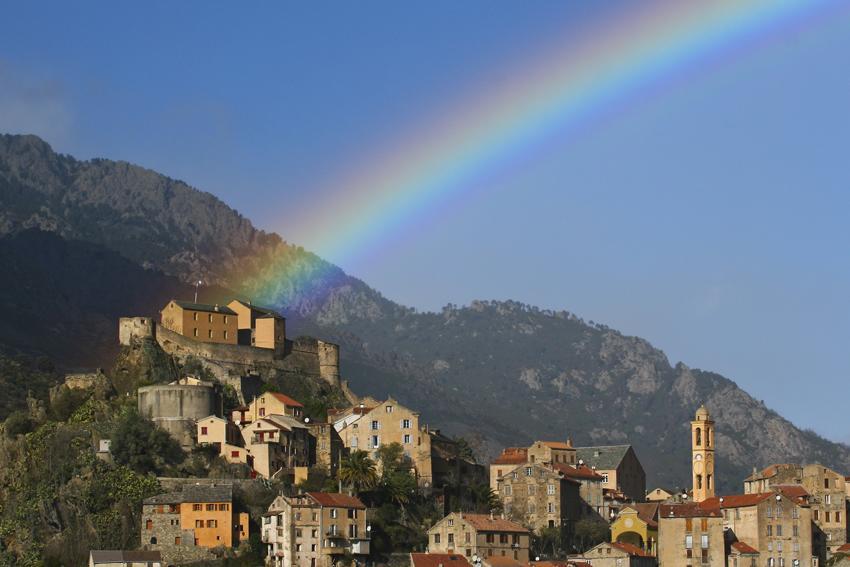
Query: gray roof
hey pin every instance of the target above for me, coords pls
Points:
(195, 493)
(603, 457)
(113, 556)
(205, 307)
(265, 310)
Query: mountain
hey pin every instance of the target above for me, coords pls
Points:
(499, 373)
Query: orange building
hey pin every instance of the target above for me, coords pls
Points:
(202, 322)
(259, 326)
(188, 523)
(266, 404)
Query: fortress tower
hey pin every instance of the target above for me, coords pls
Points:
(702, 440)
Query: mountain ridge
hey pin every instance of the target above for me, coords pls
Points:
(499, 372)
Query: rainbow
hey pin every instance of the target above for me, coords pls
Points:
(573, 79)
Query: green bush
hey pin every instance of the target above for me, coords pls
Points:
(18, 423)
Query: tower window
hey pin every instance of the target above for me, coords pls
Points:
(699, 437)
(699, 482)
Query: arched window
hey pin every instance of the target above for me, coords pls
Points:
(707, 437)
(708, 482)
(699, 436)
(153, 540)
(699, 481)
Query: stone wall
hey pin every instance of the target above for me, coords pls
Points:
(176, 408)
(135, 328)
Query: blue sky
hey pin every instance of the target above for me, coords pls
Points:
(707, 213)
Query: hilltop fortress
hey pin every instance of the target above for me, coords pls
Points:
(241, 344)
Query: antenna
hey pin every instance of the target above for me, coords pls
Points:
(197, 284)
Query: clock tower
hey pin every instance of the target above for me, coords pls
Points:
(702, 441)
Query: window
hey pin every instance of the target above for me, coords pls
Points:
(375, 425)
(149, 525)
(698, 436)
(826, 482)
(507, 490)
(795, 530)
(528, 471)
(699, 481)
(212, 523)
(405, 424)
(689, 541)
(704, 541)
(210, 507)
(838, 516)
(436, 538)
(503, 538)
(297, 532)
(551, 507)
(333, 513)
(194, 316)
(352, 513)
(203, 431)
(531, 508)
(195, 332)
(605, 478)
(177, 540)
(225, 335)
(354, 442)
(199, 523)
(795, 513)
(489, 538)
(826, 516)
(514, 475)
(197, 507)
(153, 540)
(262, 412)
(234, 454)
(389, 409)
(352, 531)
(817, 515)
(769, 530)
(210, 333)
(550, 489)
(828, 499)
(376, 441)
(689, 525)
(406, 439)
(779, 530)
(210, 317)
(451, 539)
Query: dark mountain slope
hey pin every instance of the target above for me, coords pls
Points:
(505, 371)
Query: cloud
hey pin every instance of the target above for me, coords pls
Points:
(33, 105)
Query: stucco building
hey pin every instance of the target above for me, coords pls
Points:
(637, 525)
(259, 326)
(430, 455)
(690, 535)
(278, 444)
(268, 403)
(186, 524)
(200, 321)
(479, 534)
(315, 529)
(177, 407)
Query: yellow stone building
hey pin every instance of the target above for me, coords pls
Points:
(259, 326)
(637, 525)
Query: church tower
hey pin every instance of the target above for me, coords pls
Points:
(702, 440)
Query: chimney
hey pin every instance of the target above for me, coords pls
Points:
(216, 307)
(569, 441)
(491, 515)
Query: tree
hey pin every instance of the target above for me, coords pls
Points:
(358, 471)
(18, 423)
(485, 498)
(391, 457)
(589, 533)
(142, 446)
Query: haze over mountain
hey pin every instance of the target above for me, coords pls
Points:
(121, 238)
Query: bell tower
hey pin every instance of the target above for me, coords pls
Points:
(702, 462)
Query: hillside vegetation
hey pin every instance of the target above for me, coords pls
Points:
(499, 372)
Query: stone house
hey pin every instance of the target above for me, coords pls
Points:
(202, 322)
(176, 407)
(510, 458)
(778, 525)
(619, 467)
(430, 455)
(590, 488)
(125, 559)
(659, 495)
(637, 525)
(259, 326)
(479, 534)
(186, 524)
(827, 491)
(540, 497)
(690, 535)
(277, 443)
(615, 554)
(326, 448)
(268, 403)
(552, 452)
(315, 529)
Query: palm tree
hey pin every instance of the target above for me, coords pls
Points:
(358, 471)
(485, 498)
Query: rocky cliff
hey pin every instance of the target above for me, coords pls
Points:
(499, 372)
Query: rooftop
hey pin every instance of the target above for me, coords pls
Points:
(580, 472)
(195, 493)
(487, 523)
(604, 457)
(284, 399)
(189, 306)
(630, 549)
(336, 500)
(267, 312)
(438, 560)
(744, 548)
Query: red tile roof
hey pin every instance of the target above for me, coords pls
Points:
(483, 522)
(648, 512)
(793, 491)
(581, 471)
(735, 500)
(283, 398)
(336, 500)
(742, 547)
(630, 549)
(438, 559)
(512, 456)
(845, 549)
(557, 444)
